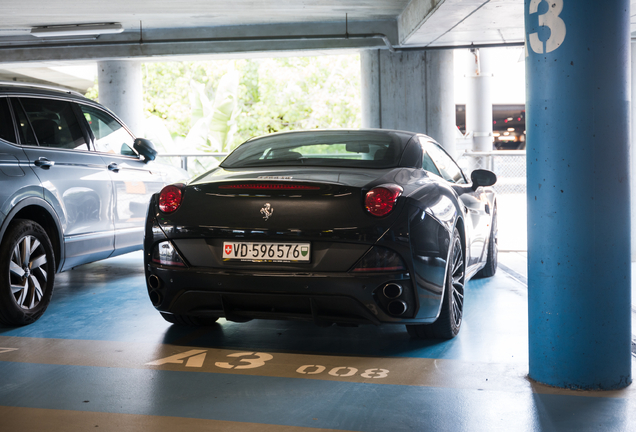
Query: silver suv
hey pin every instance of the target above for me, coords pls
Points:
(75, 187)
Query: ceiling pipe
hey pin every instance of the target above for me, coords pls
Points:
(471, 46)
(140, 42)
(346, 36)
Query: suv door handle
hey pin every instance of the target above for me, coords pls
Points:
(44, 163)
(113, 167)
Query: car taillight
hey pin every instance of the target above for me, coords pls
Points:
(170, 199)
(381, 199)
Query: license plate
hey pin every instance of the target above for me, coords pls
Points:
(266, 251)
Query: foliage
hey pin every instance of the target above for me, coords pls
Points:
(220, 104)
(212, 123)
(299, 93)
(274, 95)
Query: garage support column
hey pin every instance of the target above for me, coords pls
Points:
(633, 148)
(120, 89)
(410, 90)
(579, 269)
(479, 104)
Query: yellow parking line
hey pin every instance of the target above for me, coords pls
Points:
(443, 373)
(50, 420)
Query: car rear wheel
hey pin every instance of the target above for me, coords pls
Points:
(491, 261)
(188, 320)
(27, 273)
(450, 318)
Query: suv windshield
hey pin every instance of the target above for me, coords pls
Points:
(356, 149)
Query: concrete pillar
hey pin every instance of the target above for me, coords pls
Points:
(120, 90)
(440, 99)
(579, 269)
(479, 100)
(410, 90)
(632, 147)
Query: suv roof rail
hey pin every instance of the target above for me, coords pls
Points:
(40, 86)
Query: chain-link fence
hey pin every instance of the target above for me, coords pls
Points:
(509, 165)
(185, 161)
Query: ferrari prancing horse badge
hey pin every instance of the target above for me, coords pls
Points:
(267, 211)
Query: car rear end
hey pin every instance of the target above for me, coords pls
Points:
(308, 226)
(276, 249)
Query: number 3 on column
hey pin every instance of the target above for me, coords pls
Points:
(551, 20)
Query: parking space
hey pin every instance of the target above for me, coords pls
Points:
(103, 357)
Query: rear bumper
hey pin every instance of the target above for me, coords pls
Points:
(324, 298)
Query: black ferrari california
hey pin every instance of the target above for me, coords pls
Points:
(344, 226)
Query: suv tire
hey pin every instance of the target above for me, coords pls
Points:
(27, 273)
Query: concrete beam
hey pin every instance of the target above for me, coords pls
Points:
(461, 22)
(211, 40)
(46, 75)
(415, 15)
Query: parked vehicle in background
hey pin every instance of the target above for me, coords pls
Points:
(75, 189)
(344, 226)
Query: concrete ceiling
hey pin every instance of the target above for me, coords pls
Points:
(200, 27)
(167, 29)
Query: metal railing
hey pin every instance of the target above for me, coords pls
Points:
(184, 157)
(509, 165)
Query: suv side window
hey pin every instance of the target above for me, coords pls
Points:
(7, 132)
(447, 166)
(24, 127)
(54, 123)
(110, 135)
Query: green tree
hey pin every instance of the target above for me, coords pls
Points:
(299, 93)
(272, 95)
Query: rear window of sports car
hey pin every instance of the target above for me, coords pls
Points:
(347, 149)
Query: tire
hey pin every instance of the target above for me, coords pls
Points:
(27, 273)
(188, 320)
(449, 321)
(493, 250)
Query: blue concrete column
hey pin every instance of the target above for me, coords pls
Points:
(410, 90)
(578, 116)
(633, 145)
(121, 90)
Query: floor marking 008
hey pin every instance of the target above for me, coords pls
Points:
(6, 350)
(343, 371)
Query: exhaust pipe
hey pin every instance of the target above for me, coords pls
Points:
(155, 297)
(397, 307)
(154, 282)
(392, 291)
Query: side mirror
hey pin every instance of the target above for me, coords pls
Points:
(482, 177)
(145, 148)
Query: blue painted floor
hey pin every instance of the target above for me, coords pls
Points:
(102, 357)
